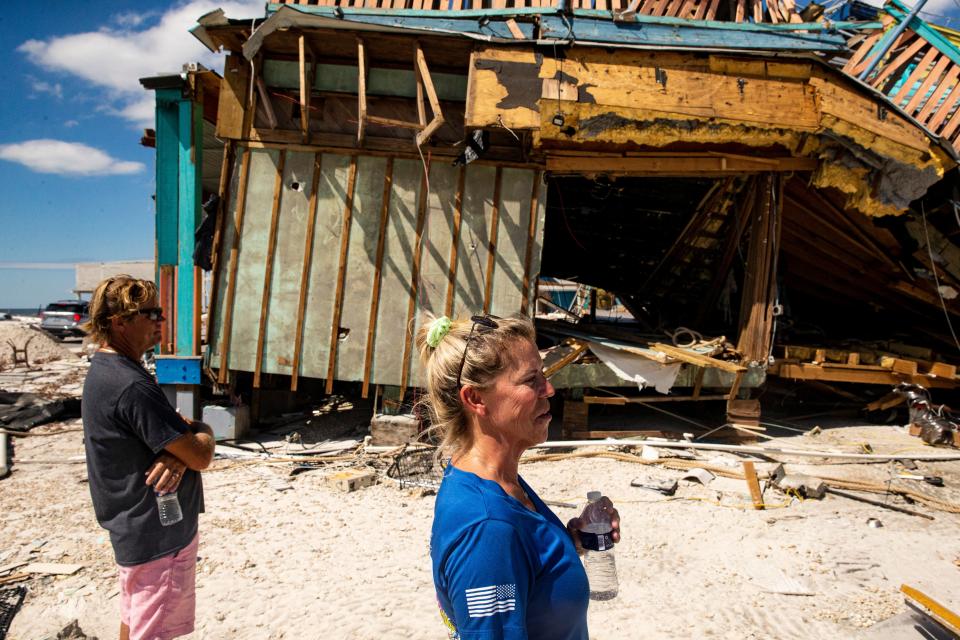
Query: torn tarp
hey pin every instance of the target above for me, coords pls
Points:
(636, 368)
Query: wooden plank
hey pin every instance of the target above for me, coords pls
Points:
(271, 249)
(942, 615)
(854, 65)
(232, 275)
(623, 400)
(617, 435)
(455, 244)
(898, 365)
(414, 283)
(940, 115)
(492, 243)
(750, 473)
(944, 86)
(514, 29)
(226, 167)
(900, 62)
(361, 91)
(233, 96)
(696, 358)
(341, 272)
(578, 348)
(921, 94)
(856, 375)
(943, 370)
(921, 69)
(392, 122)
(377, 276)
(531, 237)
(267, 102)
(437, 121)
(677, 165)
(305, 272)
(306, 87)
(698, 383)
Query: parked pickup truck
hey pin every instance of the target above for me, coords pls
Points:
(64, 318)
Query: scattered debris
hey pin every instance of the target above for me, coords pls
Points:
(877, 503)
(10, 602)
(936, 481)
(935, 424)
(73, 632)
(800, 484)
(666, 487)
(52, 569)
(352, 480)
(394, 430)
(874, 523)
(750, 473)
(24, 411)
(702, 476)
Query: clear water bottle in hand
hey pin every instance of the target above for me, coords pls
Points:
(596, 537)
(169, 506)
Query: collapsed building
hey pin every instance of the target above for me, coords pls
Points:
(764, 191)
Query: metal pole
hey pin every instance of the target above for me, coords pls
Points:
(891, 38)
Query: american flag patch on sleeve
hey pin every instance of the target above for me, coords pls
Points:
(487, 601)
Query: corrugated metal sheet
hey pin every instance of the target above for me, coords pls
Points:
(494, 201)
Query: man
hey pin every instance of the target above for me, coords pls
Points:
(138, 448)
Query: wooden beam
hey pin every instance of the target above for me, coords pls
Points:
(272, 121)
(392, 122)
(531, 236)
(305, 273)
(620, 400)
(424, 73)
(455, 242)
(697, 358)
(361, 91)
(414, 282)
(268, 272)
(232, 269)
(857, 375)
(678, 165)
(226, 170)
(341, 274)
(578, 348)
(377, 276)
(492, 241)
(306, 85)
(750, 474)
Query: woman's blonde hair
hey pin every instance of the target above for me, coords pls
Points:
(116, 297)
(486, 357)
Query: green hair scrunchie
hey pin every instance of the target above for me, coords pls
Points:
(438, 329)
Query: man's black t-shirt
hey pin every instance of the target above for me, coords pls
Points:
(127, 422)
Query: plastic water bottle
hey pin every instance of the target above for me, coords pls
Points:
(596, 537)
(169, 506)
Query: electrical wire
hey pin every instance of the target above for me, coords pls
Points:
(936, 279)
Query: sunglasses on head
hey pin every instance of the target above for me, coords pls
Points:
(153, 313)
(481, 324)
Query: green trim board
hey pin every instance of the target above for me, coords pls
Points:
(167, 172)
(405, 195)
(190, 127)
(343, 78)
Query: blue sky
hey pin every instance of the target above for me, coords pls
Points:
(76, 184)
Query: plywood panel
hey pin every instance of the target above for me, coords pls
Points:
(511, 241)
(361, 260)
(251, 260)
(229, 233)
(474, 236)
(397, 266)
(288, 259)
(435, 258)
(331, 195)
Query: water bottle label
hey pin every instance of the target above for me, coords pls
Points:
(596, 541)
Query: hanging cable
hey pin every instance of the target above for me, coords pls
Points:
(936, 279)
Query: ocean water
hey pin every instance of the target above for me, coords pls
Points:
(21, 312)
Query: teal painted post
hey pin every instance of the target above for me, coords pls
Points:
(168, 101)
(190, 134)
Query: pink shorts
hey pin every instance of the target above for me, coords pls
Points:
(158, 598)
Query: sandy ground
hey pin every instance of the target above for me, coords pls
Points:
(290, 557)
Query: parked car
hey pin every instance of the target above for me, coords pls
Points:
(64, 318)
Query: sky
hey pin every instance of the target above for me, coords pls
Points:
(76, 185)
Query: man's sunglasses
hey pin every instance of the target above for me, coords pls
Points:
(481, 324)
(154, 313)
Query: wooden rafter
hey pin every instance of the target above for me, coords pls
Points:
(424, 74)
(307, 78)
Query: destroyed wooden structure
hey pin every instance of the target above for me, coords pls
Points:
(715, 165)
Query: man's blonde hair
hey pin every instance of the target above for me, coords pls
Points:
(488, 354)
(116, 297)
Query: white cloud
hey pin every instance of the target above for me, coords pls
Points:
(66, 158)
(114, 59)
(71, 123)
(39, 86)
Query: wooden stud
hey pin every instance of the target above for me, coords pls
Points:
(858, 61)
(306, 85)
(531, 236)
(750, 474)
(341, 274)
(492, 241)
(391, 122)
(940, 114)
(361, 91)
(305, 273)
(424, 73)
(414, 282)
(232, 273)
(377, 276)
(697, 359)
(167, 285)
(272, 121)
(932, 77)
(944, 87)
(455, 242)
(268, 273)
(225, 173)
(698, 383)
(917, 73)
(902, 60)
(515, 29)
(578, 348)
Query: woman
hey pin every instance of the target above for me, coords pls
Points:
(504, 566)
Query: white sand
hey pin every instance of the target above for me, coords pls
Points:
(41, 347)
(310, 562)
